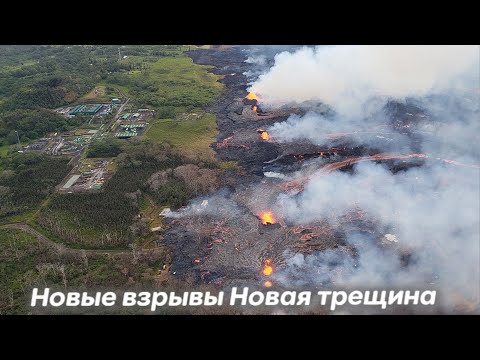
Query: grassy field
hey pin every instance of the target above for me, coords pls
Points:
(98, 94)
(180, 78)
(175, 83)
(21, 218)
(176, 88)
(193, 137)
(4, 150)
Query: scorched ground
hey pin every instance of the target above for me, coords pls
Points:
(239, 236)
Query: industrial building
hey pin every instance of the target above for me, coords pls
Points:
(129, 130)
(132, 126)
(86, 109)
(126, 134)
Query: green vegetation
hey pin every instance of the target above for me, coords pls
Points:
(4, 150)
(109, 219)
(169, 85)
(104, 148)
(27, 179)
(171, 165)
(193, 137)
(104, 219)
(32, 124)
(228, 165)
(97, 95)
(174, 187)
(46, 77)
(26, 263)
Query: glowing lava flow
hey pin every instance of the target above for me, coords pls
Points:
(267, 269)
(224, 143)
(254, 108)
(453, 162)
(267, 218)
(327, 169)
(264, 135)
(335, 136)
(267, 284)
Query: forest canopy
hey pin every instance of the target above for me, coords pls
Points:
(35, 79)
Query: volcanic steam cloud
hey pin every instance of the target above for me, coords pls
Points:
(388, 196)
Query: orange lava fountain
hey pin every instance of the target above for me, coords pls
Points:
(267, 218)
(267, 269)
(252, 96)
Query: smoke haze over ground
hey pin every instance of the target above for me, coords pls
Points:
(406, 219)
(448, 125)
(432, 210)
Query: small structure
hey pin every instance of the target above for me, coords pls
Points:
(116, 101)
(40, 144)
(126, 134)
(132, 126)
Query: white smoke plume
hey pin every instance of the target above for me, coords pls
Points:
(454, 130)
(447, 126)
(261, 57)
(319, 129)
(345, 77)
(260, 60)
(217, 203)
(433, 211)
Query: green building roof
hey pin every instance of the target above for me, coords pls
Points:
(125, 134)
(132, 126)
(86, 109)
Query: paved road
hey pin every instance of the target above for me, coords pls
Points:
(121, 109)
(116, 119)
(56, 246)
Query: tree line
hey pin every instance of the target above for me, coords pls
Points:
(27, 179)
(109, 217)
(35, 78)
